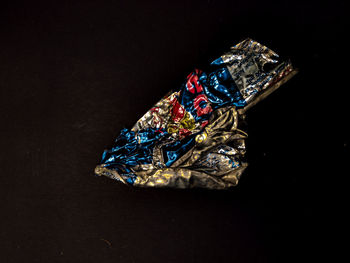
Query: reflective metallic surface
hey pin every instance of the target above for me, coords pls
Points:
(192, 137)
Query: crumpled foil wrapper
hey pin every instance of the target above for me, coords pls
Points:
(193, 136)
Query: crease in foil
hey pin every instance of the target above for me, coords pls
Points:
(193, 137)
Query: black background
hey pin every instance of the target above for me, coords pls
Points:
(73, 73)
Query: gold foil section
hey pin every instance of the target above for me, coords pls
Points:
(214, 162)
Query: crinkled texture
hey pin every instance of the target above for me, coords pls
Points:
(192, 137)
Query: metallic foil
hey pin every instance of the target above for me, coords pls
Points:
(192, 137)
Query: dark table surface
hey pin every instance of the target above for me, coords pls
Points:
(73, 73)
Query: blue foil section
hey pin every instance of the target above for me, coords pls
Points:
(221, 89)
(127, 151)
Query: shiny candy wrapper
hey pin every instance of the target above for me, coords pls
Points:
(192, 137)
